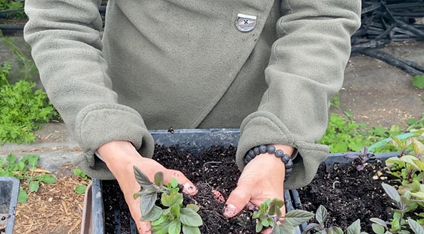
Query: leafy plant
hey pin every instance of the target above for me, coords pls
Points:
(335, 101)
(363, 157)
(80, 189)
(398, 222)
(22, 108)
(408, 166)
(269, 215)
(25, 170)
(163, 206)
(415, 124)
(418, 81)
(344, 134)
(321, 216)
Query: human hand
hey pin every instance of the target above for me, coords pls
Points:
(262, 178)
(121, 157)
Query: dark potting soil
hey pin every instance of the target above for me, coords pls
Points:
(349, 194)
(214, 169)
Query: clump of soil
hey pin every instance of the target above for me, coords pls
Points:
(214, 169)
(349, 194)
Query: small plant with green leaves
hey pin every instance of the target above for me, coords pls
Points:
(25, 170)
(163, 206)
(80, 189)
(398, 224)
(409, 165)
(269, 215)
(321, 215)
(363, 157)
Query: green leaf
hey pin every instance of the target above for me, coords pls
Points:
(321, 214)
(194, 207)
(159, 179)
(415, 226)
(23, 195)
(190, 218)
(137, 195)
(174, 182)
(175, 210)
(297, 217)
(310, 227)
(284, 228)
(418, 81)
(154, 214)
(410, 160)
(256, 214)
(377, 228)
(147, 201)
(170, 200)
(259, 227)
(46, 178)
(77, 171)
(11, 159)
(411, 121)
(191, 230)
(354, 228)
(80, 189)
(338, 230)
(33, 186)
(391, 191)
(161, 228)
(160, 220)
(266, 222)
(379, 221)
(142, 179)
(175, 227)
(31, 160)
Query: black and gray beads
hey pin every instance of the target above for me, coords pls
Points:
(285, 158)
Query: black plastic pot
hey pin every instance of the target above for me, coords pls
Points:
(191, 140)
(9, 191)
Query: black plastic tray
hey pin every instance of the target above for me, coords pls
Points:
(9, 191)
(195, 141)
(191, 140)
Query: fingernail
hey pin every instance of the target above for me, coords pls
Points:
(230, 210)
(251, 207)
(189, 188)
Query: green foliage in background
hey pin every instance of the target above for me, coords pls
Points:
(22, 108)
(344, 134)
(13, 5)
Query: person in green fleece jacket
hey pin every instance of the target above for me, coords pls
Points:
(269, 67)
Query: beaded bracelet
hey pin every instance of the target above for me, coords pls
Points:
(285, 158)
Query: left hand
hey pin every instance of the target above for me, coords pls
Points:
(262, 178)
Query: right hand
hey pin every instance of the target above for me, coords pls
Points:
(120, 157)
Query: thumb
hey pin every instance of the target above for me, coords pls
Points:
(238, 199)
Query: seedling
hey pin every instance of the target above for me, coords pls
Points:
(80, 189)
(321, 216)
(163, 206)
(269, 215)
(398, 222)
(363, 157)
(25, 170)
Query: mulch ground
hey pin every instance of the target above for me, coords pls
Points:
(54, 209)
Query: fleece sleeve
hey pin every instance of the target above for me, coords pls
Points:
(305, 70)
(67, 49)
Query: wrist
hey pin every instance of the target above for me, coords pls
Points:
(277, 155)
(118, 154)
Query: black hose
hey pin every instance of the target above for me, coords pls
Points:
(414, 70)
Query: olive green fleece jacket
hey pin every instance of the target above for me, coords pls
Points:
(184, 63)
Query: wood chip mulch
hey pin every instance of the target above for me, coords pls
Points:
(54, 209)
